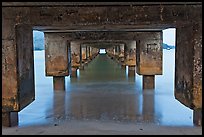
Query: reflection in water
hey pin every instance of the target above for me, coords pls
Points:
(104, 106)
(103, 92)
(148, 106)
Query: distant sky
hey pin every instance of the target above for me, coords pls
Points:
(38, 34)
(169, 36)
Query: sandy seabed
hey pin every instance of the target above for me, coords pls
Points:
(76, 127)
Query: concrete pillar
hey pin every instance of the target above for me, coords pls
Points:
(94, 52)
(18, 87)
(130, 49)
(116, 52)
(121, 54)
(131, 71)
(123, 66)
(148, 82)
(84, 53)
(87, 52)
(75, 54)
(81, 67)
(90, 54)
(123, 63)
(57, 55)
(59, 83)
(197, 117)
(188, 68)
(74, 72)
(149, 57)
(111, 52)
(130, 57)
(9, 119)
(117, 56)
(75, 50)
(57, 59)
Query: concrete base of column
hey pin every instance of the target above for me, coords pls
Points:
(74, 72)
(9, 119)
(86, 61)
(59, 82)
(81, 67)
(123, 66)
(197, 117)
(148, 81)
(131, 71)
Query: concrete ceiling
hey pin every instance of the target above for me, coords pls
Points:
(129, 28)
(103, 44)
(94, 3)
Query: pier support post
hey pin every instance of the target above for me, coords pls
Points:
(148, 82)
(9, 119)
(59, 82)
(131, 71)
(74, 72)
(57, 59)
(149, 57)
(188, 68)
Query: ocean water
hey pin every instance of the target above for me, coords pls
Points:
(104, 92)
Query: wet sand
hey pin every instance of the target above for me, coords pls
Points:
(79, 127)
(103, 100)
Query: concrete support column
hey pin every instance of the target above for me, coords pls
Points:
(57, 59)
(74, 72)
(75, 51)
(131, 71)
(59, 82)
(149, 57)
(121, 54)
(87, 52)
(130, 57)
(84, 54)
(75, 54)
(116, 51)
(188, 68)
(123, 66)
(9, 119)
(90, 54)
(18, 86)
(94, 52)
(81, 59)
(117, 55)
(148, 82)
(111, 52)
(197, 117)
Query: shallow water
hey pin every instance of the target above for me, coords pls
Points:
(104, 92)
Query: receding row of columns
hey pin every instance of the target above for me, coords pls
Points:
(64, 58)
(147, 63)
(143, 56)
